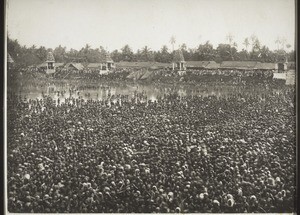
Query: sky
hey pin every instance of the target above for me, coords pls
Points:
(139, 23)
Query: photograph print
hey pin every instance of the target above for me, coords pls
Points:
(153, 106)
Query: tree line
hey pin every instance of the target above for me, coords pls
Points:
(253, 51)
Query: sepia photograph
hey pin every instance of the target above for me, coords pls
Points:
(153, 106)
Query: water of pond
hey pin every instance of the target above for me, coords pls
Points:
(102, 91)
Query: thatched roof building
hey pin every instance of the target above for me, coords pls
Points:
(75, 66)
(243, 65)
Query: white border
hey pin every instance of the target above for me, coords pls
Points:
(5, 127)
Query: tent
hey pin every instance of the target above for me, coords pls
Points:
(76, 66)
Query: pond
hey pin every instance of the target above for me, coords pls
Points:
(102, 91)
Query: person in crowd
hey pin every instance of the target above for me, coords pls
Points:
(177, 154)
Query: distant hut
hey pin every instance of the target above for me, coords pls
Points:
(178, 60)
(265, 66)
(197, 64)
(238, 65)
(76, 67)
(50, 63)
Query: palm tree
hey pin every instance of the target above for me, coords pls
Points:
(145, 49)
(277, 42)
(145, 53)
(87, 47)
(256, 44)
(246, 43)
(234, 45)
(264, 54)
(32, 49)
(253, 38)
(173, 41)
(229, 38)
(288, 46)
(283, 41)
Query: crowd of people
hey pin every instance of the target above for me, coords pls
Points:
(175, 154)
(230, 76)
(88, 74)
(191, 76)
(233, 72)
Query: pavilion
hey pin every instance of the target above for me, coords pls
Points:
(50, 63)
(178, 60)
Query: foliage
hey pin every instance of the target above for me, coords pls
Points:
(33, 55)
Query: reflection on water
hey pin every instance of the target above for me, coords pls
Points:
(114, 91)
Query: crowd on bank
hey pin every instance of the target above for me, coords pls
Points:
(237, 77)
(233, 72)
(176, 154)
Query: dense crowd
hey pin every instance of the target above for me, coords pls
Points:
(233, 72)
(230, 76)
(192, 76)
(92, 74)
(176, 154)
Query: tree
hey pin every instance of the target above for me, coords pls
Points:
(234, 45)
(138, 55)
(229, 38)
(253, 39)
(185, 52)
(277, 42)
(116, 56)
(205, 51)
(225, 52)
(265, 54)
(291, 56)
(102, 53)
(151, 56)
(127, 54)
(71, 55)
(24, 56)
(256, 45)
(32, 49)
(173, 41)
(163, 55)
(255, 53)
(41, 53)
(94, 56)
(59, 53)
(87, 47)
(183, 47)
(14, 49)
(243, 55)
(246, 43)
(145, 54)
(283, 42)
(193, 54)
